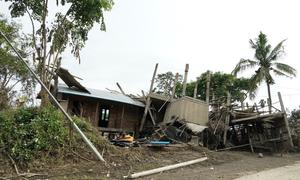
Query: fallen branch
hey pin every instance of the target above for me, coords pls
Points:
(14, 164)
(84, 158)
(166, 168)
(25, 175)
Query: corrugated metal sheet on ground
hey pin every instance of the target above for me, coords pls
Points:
(100, 94)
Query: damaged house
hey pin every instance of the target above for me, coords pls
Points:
(110, 110)
(104, 109)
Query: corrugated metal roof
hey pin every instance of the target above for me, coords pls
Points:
(100, 94)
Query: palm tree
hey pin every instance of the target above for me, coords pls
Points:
(265, 60)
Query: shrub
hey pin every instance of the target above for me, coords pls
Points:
(31, 133)
(26, 131)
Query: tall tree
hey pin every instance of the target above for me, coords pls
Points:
(165, 83)
(68, 28)
(220, 84)
(12, 71)
(266, 62)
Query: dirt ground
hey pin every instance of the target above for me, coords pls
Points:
(220, 165)
(241, 163)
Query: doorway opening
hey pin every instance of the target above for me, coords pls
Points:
(104, 117)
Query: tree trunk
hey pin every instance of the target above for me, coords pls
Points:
(270, 99)
(45, 99)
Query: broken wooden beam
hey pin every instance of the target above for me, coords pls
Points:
(148, 99)
(120, 89)
(227, 118)
(285, 120)
(257, 117)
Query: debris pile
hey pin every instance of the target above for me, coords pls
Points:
(230, 127)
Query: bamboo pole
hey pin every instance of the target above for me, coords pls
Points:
(148, 99)
(166, 168)
(86, 140)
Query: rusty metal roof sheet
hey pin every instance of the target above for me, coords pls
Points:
(100, 94)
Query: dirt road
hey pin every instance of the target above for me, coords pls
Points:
(290, 172)
(246, 164)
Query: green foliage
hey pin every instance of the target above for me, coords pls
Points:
(52, 35)
(265, 62)
(70, 26)
(165, 83)
(26, 131)
(294, 123)
(12, 71)
(93, 134)
(220, 83)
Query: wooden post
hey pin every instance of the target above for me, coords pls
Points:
(96, 122)
(185, 79)
(207, 88)
(255, 107)
(122, 117)
(250, 141)
(270, 105)
(196, 89)
(227, 118)
(174, 87)
(143, 93)
(242, 105)
(151, 116)
(285, 119)
(148, 100)
(120, 88)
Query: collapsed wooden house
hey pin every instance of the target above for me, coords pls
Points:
(110, 110)
(231, 127)
(173, 118)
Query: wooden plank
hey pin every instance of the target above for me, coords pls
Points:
(148, 99)
(275, 115)
(122, 117)
(250, 143)
(285, 119)
(96, 122)
(151, 115)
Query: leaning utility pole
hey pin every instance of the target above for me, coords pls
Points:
(86, 140)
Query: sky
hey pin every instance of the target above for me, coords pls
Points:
(208, 35)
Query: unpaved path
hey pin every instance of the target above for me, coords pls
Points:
(246, 164)
(290, 172)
